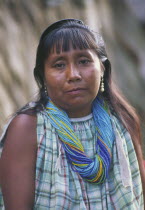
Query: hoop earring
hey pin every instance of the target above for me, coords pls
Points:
(102, 85)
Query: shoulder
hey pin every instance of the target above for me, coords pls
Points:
(21, 135)
(23, 122)
(118, 123)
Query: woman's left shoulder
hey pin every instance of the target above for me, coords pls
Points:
(117, 122)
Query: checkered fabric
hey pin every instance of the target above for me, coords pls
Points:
(58, 187)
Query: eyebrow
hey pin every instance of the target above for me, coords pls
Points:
(58, 58)
(81, 53)
(84, 54)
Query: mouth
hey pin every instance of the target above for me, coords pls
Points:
(75, 90)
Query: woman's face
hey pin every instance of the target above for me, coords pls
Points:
(72, 79)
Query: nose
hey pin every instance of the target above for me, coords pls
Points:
(73, 74)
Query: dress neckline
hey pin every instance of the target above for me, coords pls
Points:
(80, 119)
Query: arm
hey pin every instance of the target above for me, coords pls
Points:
(17, 164)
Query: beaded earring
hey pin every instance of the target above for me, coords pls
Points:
(45, 90)
(102, 85)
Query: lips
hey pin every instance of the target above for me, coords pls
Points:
(75, 89)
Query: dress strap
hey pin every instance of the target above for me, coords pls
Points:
(123, 161)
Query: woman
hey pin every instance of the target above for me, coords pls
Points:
(78, 146)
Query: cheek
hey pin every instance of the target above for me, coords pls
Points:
(94, 77)
(54, 84)
(51, 79)
(95, 83)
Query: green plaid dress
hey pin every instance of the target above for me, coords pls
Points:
(58, 187)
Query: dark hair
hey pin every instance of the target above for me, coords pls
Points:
(60, 36)
(74, 33)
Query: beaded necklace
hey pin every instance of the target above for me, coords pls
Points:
(92, 170)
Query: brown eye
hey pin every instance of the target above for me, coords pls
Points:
(59, 65)
(84, 61)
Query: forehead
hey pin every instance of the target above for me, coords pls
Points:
(73, 53)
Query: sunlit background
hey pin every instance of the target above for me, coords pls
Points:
(122, 24)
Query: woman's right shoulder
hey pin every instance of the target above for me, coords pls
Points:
(23, 124)
(23, 121)
(21, 131)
